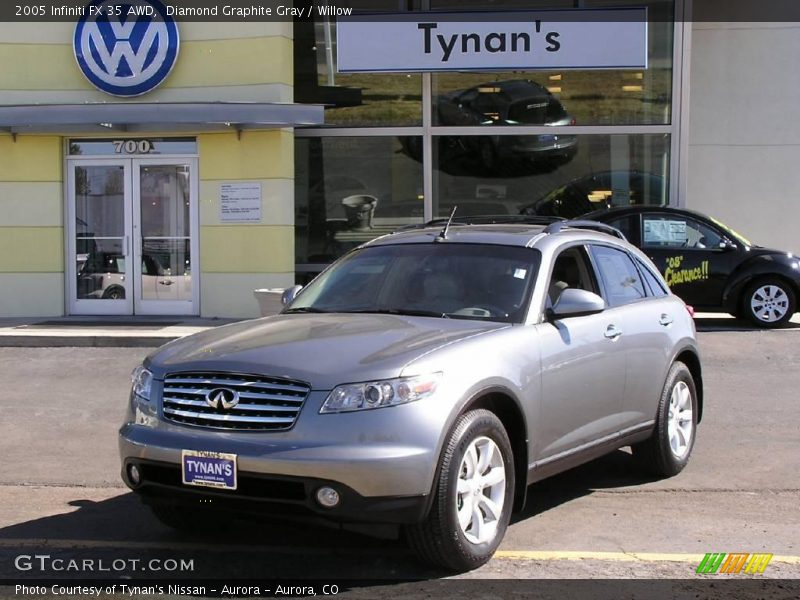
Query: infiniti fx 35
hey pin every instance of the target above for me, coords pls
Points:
(425, 379)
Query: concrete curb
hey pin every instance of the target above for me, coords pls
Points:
(83, 341)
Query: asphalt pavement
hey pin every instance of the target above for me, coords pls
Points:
(60, 491)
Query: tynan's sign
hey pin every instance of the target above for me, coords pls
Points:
(463, 41)
(126, 47)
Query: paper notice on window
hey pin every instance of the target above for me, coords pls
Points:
(240, 202)
(663, 231)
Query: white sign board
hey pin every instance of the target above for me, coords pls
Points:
(664, 231)
(463, 41)
(240, 202)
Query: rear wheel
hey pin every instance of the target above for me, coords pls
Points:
(667, 451)
(473, 496)
(768, 302)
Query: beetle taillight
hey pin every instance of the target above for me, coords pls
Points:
(690, 310)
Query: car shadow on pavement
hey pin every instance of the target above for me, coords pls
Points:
(615, 470)
(122, 529)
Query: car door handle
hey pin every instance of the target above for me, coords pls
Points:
(665, 320)
(612, 332)
(165, 282)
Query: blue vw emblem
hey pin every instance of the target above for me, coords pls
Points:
(126, 47)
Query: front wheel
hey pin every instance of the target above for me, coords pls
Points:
(667, 451)
(473, 496)
(768, 303)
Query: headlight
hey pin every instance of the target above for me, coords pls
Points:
(377, 394)
(142, 380)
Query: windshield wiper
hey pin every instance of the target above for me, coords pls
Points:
(304, 309)
(400, 311)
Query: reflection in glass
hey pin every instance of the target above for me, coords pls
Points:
(606, 170)
(351, 99)
(350, 190)
(601, 97)
(165, 230)
(99, 227)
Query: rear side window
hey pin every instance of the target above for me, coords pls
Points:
(656, 287)
(621, 279)
(624, 224)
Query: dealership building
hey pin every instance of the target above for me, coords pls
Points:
(171, 167)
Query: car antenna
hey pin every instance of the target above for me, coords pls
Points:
(443, 234)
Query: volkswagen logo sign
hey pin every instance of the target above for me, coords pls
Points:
(126, 47)
(222, 398)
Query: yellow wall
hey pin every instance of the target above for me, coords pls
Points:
(229, 61)
(31, 226)
(237, 258)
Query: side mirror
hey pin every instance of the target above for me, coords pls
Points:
(573, 302)
(727, 245)
(289, 294)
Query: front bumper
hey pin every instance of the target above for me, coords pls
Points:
(382, 462)
(272, 496)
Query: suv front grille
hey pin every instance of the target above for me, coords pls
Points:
(264, 403)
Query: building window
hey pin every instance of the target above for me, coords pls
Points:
(349, 190)
(492, 143)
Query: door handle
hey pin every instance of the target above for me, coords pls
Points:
(665, 320)
(612, 332)
(165, 282)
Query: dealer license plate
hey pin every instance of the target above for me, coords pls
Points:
(209, 469)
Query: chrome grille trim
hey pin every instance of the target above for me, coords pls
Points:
(240, 406)
(249, 382)
(265, 403)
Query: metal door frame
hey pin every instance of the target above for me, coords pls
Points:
(133, 303)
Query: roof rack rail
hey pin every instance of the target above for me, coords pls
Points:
(584, 224)
(486, 220)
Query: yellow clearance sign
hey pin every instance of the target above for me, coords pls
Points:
(675, 275)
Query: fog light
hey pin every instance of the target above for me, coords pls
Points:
(327, 497)
(134, 475)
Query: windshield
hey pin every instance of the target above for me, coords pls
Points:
(467, 281)
(733, 234)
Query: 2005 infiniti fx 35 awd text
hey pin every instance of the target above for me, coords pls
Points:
(424, 379)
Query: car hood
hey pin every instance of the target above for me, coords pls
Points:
(324, 350)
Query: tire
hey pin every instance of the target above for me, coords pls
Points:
(768, 302)
(115, 292)
(667, 451)
(440, 539)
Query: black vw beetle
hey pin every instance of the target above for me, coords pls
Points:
(710, 266)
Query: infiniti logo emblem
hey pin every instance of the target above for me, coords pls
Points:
(222, 398)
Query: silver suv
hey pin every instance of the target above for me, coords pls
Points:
(424, 379)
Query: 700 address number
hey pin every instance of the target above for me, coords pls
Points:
(132, 146)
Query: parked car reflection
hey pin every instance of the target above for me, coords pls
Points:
(600, 190)
(502, 103)
(103, 277)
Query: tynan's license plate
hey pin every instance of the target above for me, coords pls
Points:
(209, 469)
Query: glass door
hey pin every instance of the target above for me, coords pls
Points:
(100, 220)
(163, 240)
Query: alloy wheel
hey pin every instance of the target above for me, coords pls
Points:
(480, 493)
(680, 421)
(769, 303)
